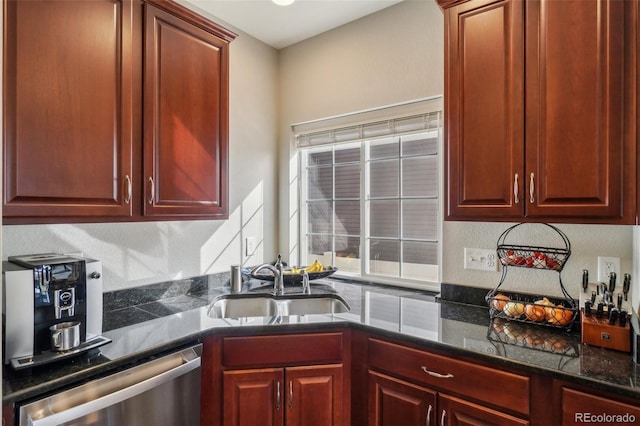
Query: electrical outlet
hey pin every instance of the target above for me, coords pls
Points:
(606, 265)
(480, 259)
(250, 246)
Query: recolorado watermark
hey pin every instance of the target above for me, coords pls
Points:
(604, 418)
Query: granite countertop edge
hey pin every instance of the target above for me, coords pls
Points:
(86, 369)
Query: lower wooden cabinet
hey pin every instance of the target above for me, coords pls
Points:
(292, 396)
(458, 412)
(298, 379)
(581, 407)
(396, 402)
(311, 379)
(393, 401)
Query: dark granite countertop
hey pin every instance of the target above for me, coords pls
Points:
(165, 317)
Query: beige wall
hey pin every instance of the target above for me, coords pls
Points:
(389, 57)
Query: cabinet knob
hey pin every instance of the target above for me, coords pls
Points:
(95, 275)
(515, 188)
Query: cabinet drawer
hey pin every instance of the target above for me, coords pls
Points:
(579, 408)
(481, 383)
(255, 351)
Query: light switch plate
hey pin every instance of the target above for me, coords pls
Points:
(480, 259)
(250, 246)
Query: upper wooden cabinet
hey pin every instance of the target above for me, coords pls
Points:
(89, 137)
(185, 118)
(538, 122)
(69, 100)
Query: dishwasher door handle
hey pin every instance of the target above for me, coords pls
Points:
(116, 396)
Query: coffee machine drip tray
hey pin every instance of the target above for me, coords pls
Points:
(51, 356)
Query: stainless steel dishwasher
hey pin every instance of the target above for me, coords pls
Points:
(164, 391)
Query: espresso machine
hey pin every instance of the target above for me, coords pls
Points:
(52, 308)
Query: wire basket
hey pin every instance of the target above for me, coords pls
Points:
(522, 335)
(531, 308)
(527, 256)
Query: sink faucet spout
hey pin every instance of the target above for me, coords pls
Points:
(278, 278)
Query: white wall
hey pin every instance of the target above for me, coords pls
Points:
(140, 253)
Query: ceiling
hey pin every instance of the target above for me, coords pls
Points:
(281, 26)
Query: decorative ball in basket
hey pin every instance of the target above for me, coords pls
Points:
(531, 308)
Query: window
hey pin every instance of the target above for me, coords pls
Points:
(371, 206)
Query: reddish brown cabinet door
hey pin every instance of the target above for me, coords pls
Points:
(185, 118)
(293, 396)
(253, 397)
(396, 402)
(575, 149)
(458, 412)
(69, 94)
(314, 395)
(582, 408)
(484, 148)
(540, 110)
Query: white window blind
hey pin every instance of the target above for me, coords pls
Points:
(412, 117)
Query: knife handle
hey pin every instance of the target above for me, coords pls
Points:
(593, 297)
(626, 284)
(600, 310)
(613, 316)
(585, 279)
(623, 318)
(587, 308)
(612, 282)
(619, 301)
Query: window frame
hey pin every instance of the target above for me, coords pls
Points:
(365, 275)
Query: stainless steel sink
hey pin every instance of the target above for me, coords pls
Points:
(320, 304)
(238, 305)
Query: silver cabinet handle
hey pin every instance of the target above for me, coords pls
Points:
(127, 198)
(290, 393)
(434, 374)
(429, 415)
(515, 188)
(118, 395)
(152, 191)
(278, 396)
(442, 419)
(531, 189)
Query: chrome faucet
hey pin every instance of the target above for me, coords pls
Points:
(278, 279)
(278, 275)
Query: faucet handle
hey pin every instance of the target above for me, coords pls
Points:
(306, 288)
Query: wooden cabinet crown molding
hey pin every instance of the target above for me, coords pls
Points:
(446, 4)
(187, 14)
